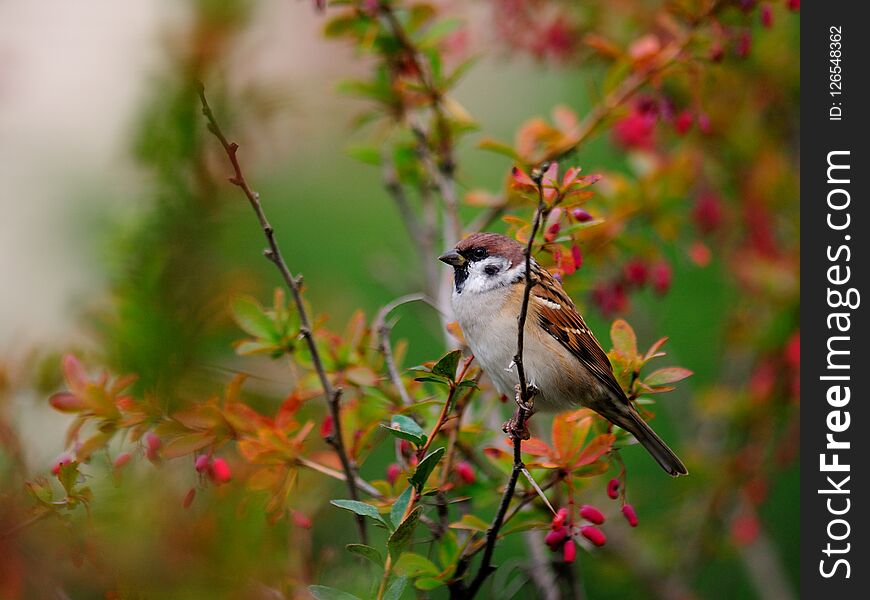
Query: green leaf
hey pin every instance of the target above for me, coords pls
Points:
(403, 533)
(321, 592)
(666, 376)
(394, 592)
(623, 338)
(406, 428)
(399, 506)
(250, 317)
(366, 552)
(425, 468)
(471, 523)
(447, 365)
(428, 583)
(360, 508)
(415, 565)
(499, 148)
(468, 383)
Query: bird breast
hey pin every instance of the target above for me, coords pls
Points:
(489, 323)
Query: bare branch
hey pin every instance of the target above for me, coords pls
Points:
(382, 330)
(294, 283)
(486, 566)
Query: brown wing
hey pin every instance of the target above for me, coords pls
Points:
(558, 316)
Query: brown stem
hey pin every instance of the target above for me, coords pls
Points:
(486, 566)
(294, 283)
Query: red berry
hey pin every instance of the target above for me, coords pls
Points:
(122, 460)
(152, 445)
(707, 212)
(613, 488)
(577, 255)
(745, 529)
(393, 472)
(560, 518)
(556, 537)
(300, 520)
(592, 514)
(593, 534)
(660, 274)
(203, 461)
(406, 448)
(744, 44)
(569, 551)
(794, 5)
(683, 122)
(793, 350)
(466, 472)
(220, 471)
(581, 215)
(766, 15)
(552, 232)
(636, 272)
(630, 515)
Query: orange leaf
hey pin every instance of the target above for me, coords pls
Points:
(599, 446)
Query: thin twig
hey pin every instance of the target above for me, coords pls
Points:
(294, 284)
(419, 231)
(361, 483)
(486, 566)
(382, 329)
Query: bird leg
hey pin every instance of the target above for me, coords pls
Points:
(513, 427)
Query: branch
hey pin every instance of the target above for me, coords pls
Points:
(486, 566)
(294, 284)
(419, 232)
(383, 332)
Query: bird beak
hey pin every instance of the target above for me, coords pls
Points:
(452, 257)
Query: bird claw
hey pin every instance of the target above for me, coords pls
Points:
(514, 429)
(526, 405)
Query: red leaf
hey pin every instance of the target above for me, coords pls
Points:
(67, 402)
(666, 376)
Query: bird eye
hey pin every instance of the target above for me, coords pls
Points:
(478, 253)
(490, 270)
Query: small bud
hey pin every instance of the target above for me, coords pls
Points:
(152, 445)
(560, 518)
(393, 472)
(202, 464)
(555, 538)
(613, 488)
(581, 215)
(326, 427)
(220, 471)
(630, 514)
(569, 551)
(592, 514)
(552, 232)
(593, 534)
(63, 459)
(122, 460)
(188, 498)
(466, 472)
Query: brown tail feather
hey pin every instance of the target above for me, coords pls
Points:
(636, 426)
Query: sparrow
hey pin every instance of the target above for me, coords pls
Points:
(564, 364)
